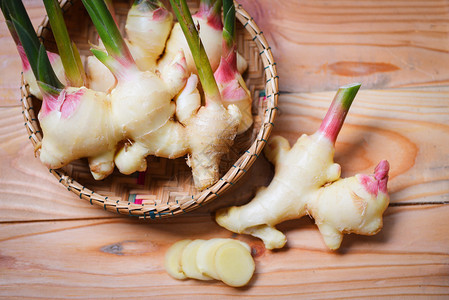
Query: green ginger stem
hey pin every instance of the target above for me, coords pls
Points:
(34, 50)
(67, 50)
(9, 23)
(202, 63)
(109, 33)
(335, 116)
(46, 84)
(16, 10)
(229, 33)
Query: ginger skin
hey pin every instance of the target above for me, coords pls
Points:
(307, 182)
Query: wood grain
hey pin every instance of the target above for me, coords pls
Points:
(55, 245)
(319, 45)
(124, 258)
(409, 128)
(28, 190)
(10, 63)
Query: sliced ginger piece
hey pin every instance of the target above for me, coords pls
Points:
(234, 263)
(173, 259)
(205, 258)
(188, 261)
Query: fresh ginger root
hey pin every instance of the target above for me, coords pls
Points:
(211, 130)
(148, 26)
(208, 20)
(211, 133)
(307, 182)
(75, 121)
(141, 101)
(143, 109)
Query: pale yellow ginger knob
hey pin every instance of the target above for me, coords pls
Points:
(307, 182)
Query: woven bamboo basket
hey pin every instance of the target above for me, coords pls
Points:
(166, 188)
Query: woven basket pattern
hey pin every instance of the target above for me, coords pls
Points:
(166, 188)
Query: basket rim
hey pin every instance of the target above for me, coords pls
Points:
(163, 210)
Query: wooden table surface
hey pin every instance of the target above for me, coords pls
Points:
(53, 244)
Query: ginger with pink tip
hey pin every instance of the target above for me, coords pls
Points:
(307, 182)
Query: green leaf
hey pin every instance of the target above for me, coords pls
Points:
(14, 9)
(34, 50)
(229, 31)
(217, 7)
(18, 12)
(8, 22)
(199, 55)
(5, 10)
(69, 56)
(105, 59)
(108, 31)
(45, 71)
(79, 62)
(29, 45)
(48, 90)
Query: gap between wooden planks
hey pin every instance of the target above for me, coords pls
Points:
(80, 251)
(122, 258)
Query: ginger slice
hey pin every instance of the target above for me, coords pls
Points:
(188, 261)
(205, 258)
(234, 264)
(173, 259)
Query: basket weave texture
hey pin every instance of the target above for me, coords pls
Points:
(166, 188)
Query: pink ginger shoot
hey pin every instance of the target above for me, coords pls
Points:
(231, 84)
(66, 102)
(377, 182)
(307, 182)
(336, 115)
(210, 10)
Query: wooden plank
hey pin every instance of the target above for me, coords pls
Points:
(28, 190)
(319, 45)
(123, 258)
(54, 245)
(10, 61)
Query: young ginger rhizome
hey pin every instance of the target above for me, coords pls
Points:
(307, 182)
